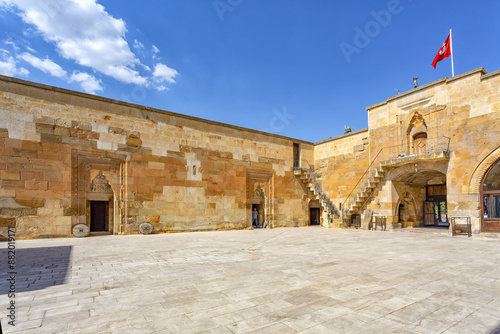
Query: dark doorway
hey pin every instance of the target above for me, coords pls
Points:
(296, 155)
(99, 216)
(260, 214)
(436, 203)
(401, 214)
(314, 216)
(356, 220)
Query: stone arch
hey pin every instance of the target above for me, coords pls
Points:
(474, 186)
(408, 203)
(417, 124)
(417, 134)
(431, 168)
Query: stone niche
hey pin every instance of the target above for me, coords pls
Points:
(98, 184)
(260, 194)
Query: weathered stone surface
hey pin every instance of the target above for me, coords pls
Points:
(201, 175)
(7, 221)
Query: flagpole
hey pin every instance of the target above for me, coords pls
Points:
(451, 47)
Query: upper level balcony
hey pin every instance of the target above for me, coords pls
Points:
(421, 149)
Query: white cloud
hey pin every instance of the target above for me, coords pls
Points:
(46, 65)
(84, 32)
(8, 66)
(138, 45)
(88, 82)
(164, 73)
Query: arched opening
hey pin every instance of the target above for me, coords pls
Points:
(490, 195)
(421, 193)
(417, 135)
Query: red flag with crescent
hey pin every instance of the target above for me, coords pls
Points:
(444, 51)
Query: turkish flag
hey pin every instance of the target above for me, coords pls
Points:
(444, 51)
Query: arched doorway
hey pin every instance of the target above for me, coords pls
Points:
(419, 194)
(490, 196)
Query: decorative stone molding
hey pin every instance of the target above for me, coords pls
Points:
(100, 184)
(481, 169)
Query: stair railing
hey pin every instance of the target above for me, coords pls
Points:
(312, 177)
(357, 183)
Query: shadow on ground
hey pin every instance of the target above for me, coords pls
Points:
(35, 268)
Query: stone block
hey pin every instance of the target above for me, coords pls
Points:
(81, 125)
(7, 221)
(9, 175)
(61, 131)
(43, 120)
(45, 128)
(24, 153)
(12, 184)
(143, 197)
(35, 185)
(133, 141)
(50, 138)
(31, 203)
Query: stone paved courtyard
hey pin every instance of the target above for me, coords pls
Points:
(294, 280)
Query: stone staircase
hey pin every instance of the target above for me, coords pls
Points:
(375, 173)
(312, 182)
(357, 200)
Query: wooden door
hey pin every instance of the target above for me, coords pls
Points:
(99, 216)
(314, 216)
(429, 213)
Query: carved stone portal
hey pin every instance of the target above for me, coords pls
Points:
(100, 184)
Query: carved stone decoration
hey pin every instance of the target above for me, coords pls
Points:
(100, 184)
(417, 124)
(259, 193)
(81, 230)
(146, 228)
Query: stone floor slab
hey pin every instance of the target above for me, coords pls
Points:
(290, 280)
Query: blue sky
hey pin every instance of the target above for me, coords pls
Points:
(297, 68)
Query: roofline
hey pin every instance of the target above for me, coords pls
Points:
(141, 107)
(481, 70)
(341, 136)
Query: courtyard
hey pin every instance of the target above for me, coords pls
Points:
(288, 280)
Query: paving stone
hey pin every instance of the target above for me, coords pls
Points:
(274, 281)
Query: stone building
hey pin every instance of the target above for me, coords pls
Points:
(428, 155)
(68, 158)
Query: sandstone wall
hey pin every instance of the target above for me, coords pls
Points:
(342, 161)
(462, 111)
(177, 172)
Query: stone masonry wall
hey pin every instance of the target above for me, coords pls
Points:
(342, 161)
(177, 172)
(464, 109)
